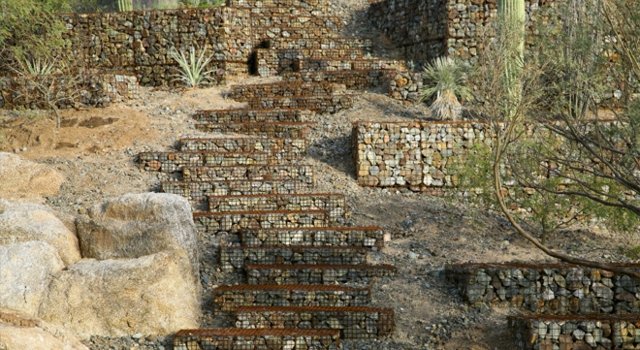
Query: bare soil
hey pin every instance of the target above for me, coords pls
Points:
(95, 149)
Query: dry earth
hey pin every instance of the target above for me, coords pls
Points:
(95, 150)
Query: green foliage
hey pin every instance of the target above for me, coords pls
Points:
(125, 5)
(445, 80)
(193, 66)
(511, 20)
(30, 29)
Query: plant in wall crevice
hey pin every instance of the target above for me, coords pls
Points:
(445, 81)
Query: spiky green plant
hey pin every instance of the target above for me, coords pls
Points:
(37, 67)
(125, 5)
(193, 65)
(512, 17)
(445, 79)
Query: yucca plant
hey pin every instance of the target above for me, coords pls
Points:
(125, 5)
(445, 79)
(193, 66)
(37, 67)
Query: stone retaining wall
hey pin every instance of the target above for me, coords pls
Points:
(316, 274)
(278, 130)
(198, 192)
(352, 79)
(286, 148)
(580, 332)
(244, 115)
(283, 89)
(240, 339)
(414, 154)
(357, 322)
(424, 30)
(548, 288)
(169, 162)
(277, 61)
(328, 103)
(368, 237)
(231, 297)
(333, 204)
(249, 172)
(235, 221)
(236, 257)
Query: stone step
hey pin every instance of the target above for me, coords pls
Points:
(322, 64)
(231, 297)
(294, 31)
(352, 79)
(316, 274)
(257, 5)
(343, 43)
(247, 115)
(354, 322)
(301, 172)
(596, 332)
(548, 287)
(233, 222)
(274, 62)
(171, 162)
(282, 89)
(291, 130)
(320, 103)
(280, 19)
(251, 339)
(285, 148)
(368, 237)
(334, 204)
(198, 192)
(235, 257)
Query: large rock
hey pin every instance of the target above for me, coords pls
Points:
(136, 225)
(24, 179)
(22, 222)
(18, 332)
(25, 272)
(152, 295)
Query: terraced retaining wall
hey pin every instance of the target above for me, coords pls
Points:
(547, 288)
(424, 30)
(368, 237)
(236, 221)
(316, 273)
(538, 332)
(415, 154)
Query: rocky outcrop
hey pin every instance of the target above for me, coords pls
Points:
(33, 222)
(136, 225)
(25, 272)
(19, 332)
(24, 179)
(151, 295)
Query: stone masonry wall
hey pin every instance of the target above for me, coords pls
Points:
(550, 288)
(414, 154)
(544, 332)
(424, 30)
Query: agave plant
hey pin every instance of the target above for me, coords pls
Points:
(445, 79)
(193, 66)
(37, 67)
(125, 5)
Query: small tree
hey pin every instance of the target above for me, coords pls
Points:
(552, 158)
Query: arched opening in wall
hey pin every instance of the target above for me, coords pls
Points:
(253, 57)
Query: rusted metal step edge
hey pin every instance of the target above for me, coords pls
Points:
(287, 148)
(335, 204)
(298, 130)
(240, 115)
(171, 162)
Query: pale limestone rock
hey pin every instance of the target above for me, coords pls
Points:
(24, 179)
(151, 295)
(135, 225)
(22, 222)
(25, 272)
(19, 332)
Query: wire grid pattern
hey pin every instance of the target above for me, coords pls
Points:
(285, 148)
(256, 339)
(236, 221)
(292, 130)
(310, 201)
(316, 273)
(236, 257)
(234, 116)
(250, 172)
(371, 238)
